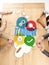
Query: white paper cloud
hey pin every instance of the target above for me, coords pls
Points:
(24, 49)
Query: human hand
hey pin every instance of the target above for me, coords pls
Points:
(11, 42)
(39, 45)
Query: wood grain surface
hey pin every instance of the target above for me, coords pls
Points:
(34, 57)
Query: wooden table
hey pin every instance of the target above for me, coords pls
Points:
(35, 57)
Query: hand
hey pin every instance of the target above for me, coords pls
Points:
(39, 45)
(11, 42)
(5, 13)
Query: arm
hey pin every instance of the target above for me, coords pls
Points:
(42, 49)
(45, 52)
(39, 20)
(10, 41)
(5, 13)
(3, 26)
(46, 36)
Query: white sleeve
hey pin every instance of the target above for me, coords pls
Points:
(3, 27)
(47, 27)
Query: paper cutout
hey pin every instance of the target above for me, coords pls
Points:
(29, 40)
(19, 40)
(24, 32)
(23, 49)
(28, 33)
(21, 22)
(31, 25)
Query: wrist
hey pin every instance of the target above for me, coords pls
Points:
(42, 49)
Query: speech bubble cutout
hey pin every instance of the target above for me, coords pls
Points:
(28, 33)
(21, 50)
(29, 40)
(30, 25)
(19, 40)
(21, 22)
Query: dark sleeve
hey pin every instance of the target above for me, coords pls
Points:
(46, 53)
(46, 35)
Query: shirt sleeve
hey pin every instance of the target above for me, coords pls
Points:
(45, 52)
(46, 35)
